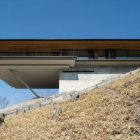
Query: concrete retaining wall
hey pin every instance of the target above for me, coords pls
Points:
(83, 77)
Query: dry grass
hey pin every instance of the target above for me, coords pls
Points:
(96, 116)
(129, 85)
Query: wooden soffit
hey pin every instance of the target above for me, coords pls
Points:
(31, 45)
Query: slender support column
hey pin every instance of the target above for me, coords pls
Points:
(96, 54)
(109, 54)
(23, 82)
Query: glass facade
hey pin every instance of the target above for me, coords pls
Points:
(127, 54)
(81, 54)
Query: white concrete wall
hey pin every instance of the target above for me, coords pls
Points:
(69, 81)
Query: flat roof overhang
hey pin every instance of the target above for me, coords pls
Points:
(34, 45)
(37, 72)
(43, 72)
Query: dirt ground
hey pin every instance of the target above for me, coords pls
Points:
(111, 113)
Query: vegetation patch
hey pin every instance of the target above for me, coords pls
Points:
(99, 115)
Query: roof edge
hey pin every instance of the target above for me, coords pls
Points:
(69, 39)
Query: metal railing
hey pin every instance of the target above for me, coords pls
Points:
(71, 53)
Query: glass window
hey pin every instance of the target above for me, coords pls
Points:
(112, 54)
(121, 54)
(68, 53)
(101, 54)
(128, 54)
(82, 55)
(134, 53)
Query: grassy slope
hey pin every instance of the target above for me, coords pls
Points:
(98, 115)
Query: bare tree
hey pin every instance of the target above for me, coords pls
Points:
(3, 102)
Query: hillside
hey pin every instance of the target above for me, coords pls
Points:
(111, 113)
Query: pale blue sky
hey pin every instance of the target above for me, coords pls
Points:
(61, 19)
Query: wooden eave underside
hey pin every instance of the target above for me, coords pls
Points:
(75, 44)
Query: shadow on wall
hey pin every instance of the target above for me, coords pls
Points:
(91, 73)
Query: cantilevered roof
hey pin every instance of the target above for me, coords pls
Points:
(33, 45)
(37, 72)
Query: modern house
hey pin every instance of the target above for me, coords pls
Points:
(67, 64)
